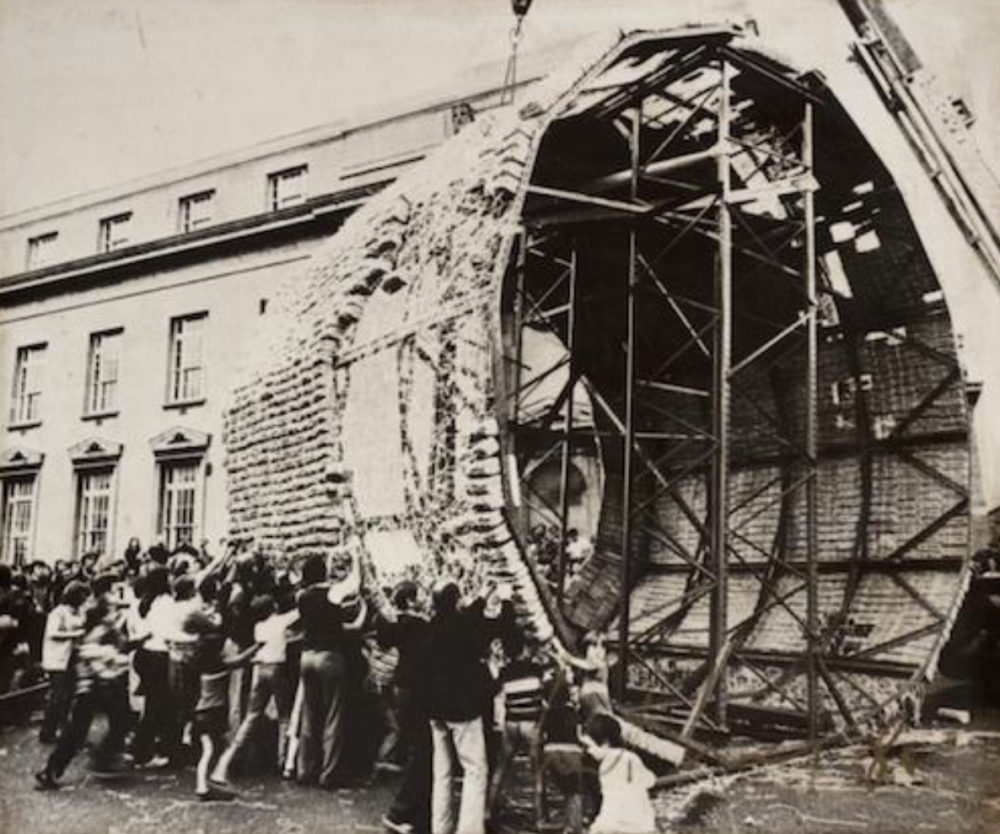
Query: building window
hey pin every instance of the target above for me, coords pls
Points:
(286, 188)
(102, 372)
(41, 250)
(93, 510)
(196, 210)
(186, 381)
(114, 232)
(179, 494)
(26, 396)
(17, 513)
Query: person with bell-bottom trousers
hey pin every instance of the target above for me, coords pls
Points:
(321, 739)
(463, 743)
(458, 690)
(326, 614)
(407, 631)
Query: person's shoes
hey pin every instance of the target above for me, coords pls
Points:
(288, 775)
(388, 767)
(45, 781)
(216, 794)
(155, 763)
(398, 826)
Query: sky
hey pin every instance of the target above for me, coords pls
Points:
(99, 92)
(96, 92)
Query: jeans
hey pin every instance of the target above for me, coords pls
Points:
(463, 740)
(61, 685)
(110, 699)
(390, 748)
(567, 765)
(182, 678)
(412, 802)
(518, 736)
(324, 691)
(158, 724)
(270, 680)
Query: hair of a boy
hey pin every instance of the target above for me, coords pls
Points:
(605, 730)
(313, 570)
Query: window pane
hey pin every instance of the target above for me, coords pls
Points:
(18, 496)
(196, 210)
(26, 394)
(179, 494)
(93, 515)
(115, 232)
(185, 382)
(287, 188)
(102, 375)
(41, 250)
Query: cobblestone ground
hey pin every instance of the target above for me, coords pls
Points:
(956, 791)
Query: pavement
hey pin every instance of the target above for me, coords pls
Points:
(163, 802)
(946, 781)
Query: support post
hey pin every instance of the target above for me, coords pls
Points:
(721, 360)
(811, 430)
(519, 289)
(629, 438)
(567, 428)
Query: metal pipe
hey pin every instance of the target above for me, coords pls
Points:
(567, 430)
(629, 438)
(721, 358)
(811, 440)
(522, 259)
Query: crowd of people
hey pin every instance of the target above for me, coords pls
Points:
(243, 663)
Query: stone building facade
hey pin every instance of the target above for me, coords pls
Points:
(125, 316)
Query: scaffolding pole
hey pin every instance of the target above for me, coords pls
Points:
(519, 290)
(721, 361)
(629, 438)
(567, 428)
(812, 539)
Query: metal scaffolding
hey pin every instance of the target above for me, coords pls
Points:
(741, 197)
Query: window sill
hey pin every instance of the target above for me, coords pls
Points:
(30, 424)
(99, 415)
(182, 405)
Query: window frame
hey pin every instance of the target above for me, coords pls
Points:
(82, 535)
(180, 496)
(177, 393)
(184, 206)
(106, 242)
(38, 244)
(8, 550)
(277, 202)
(94, 381)
(25, 411)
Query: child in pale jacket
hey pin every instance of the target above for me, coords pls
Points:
(625, 781)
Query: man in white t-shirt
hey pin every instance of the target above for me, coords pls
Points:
(270, 679)
(63, 628)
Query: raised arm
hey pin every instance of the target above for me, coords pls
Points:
(359, 620)
(239, 659)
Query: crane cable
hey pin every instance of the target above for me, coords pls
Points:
(520, 8)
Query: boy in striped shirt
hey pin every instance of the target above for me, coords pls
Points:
(521, 684)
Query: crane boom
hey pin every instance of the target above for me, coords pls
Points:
(937, 131)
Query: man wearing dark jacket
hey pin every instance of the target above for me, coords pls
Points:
(409, 633)
(459, 688)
